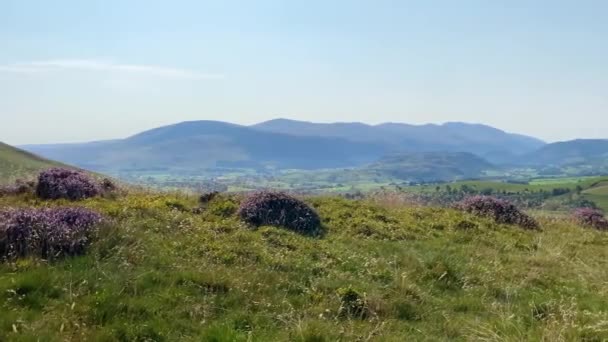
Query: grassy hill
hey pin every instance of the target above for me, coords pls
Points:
(159, 272)
(432, 166)
(598, 193)
(581, 151)
(16, 163)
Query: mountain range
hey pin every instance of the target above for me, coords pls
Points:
(288, 144)
(452, 136)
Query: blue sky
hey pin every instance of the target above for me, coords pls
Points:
(87, 70)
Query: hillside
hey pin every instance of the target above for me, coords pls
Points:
(282, 144)
(16, 163)
(159, 272)
(598, 193)
(432, 166)
(588, 151)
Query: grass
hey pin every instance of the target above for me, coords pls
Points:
(600, 200)
(598, 193)
(16, 163)
(160, 272)
(598, 190)
(546, 184)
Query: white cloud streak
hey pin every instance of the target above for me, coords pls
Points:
(104, 66)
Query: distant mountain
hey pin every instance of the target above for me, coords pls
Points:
(16, 163)
(482, 140)
(190, 146)
(432, 166)
(280, 144)
(581, 151)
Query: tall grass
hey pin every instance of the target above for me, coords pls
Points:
(167, 269)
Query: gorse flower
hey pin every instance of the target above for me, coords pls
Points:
(64, 183)
(46, 232)
(279, 209)
(500, 210)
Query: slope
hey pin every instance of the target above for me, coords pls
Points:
(594, 151)
(160, 272)
(432, 166)
(16, 163)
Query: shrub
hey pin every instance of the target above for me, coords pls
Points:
(47, 232)
(18, 188)
(225, 207)
(591, 217)
(352, 304)
(279, 209)
(207, 197)
(64, 183)
(107, 185)
(501, 211)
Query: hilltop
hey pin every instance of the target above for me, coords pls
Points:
(161, 271)
(16, 163)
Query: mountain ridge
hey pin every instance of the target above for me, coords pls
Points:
(451, 136)
(283, 144)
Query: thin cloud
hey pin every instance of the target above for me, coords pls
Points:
(97, 65)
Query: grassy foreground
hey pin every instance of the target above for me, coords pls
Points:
(160, 272)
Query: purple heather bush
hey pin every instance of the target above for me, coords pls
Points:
(65, 183)
(591, 217)
(279, 209)
(501, 211)
(46, 232)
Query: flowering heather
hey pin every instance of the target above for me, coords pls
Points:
(58, 183)
(279, 209)
(500, 210)
(591, 217)
(46, 232)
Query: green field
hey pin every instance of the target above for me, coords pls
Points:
(600, 189)
(533, 185)
(598, 194)
(159, 272)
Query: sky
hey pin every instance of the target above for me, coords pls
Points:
(89, 70)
